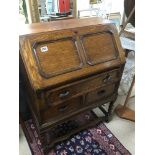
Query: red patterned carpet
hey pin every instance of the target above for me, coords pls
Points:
(94, 141)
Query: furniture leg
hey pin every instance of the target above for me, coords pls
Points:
(108, 113)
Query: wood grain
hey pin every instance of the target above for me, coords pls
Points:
(108, 54)
(71, 66)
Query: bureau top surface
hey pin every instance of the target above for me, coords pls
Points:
(27, 29)
(64, 51)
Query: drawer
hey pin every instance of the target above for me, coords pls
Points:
(61, 110)
(81, 87)
(100, 93)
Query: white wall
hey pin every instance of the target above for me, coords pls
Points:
(82, 4)
(117, 6)
(109, 6)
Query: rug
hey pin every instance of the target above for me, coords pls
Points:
(94, 141)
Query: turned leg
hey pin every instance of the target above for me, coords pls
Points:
(108, 117)
(108, 113)
(110, 108)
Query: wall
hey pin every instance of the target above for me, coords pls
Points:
(107, 6)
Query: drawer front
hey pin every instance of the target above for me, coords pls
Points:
(100, 93)
(62, 109)
(84, 86)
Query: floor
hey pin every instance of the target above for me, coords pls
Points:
(124, 130)
(23, 145)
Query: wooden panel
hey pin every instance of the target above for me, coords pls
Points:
(58, 95)
(57, 57)
(100, 93)
(99, 47)
(59, 110)
(40, 80)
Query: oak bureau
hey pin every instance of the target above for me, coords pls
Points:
(70, 67)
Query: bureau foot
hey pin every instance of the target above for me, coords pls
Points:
(108, 118)
(48, 148)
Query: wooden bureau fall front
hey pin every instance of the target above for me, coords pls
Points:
(70, 67)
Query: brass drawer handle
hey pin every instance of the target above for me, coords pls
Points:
(107, 78)
(64, 94)
(101, 92)
(63, 108)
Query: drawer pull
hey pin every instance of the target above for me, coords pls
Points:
(64, 94)
(101, 92)
(107, 78)
(63, 108)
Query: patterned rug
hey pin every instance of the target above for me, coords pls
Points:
(93, 141)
